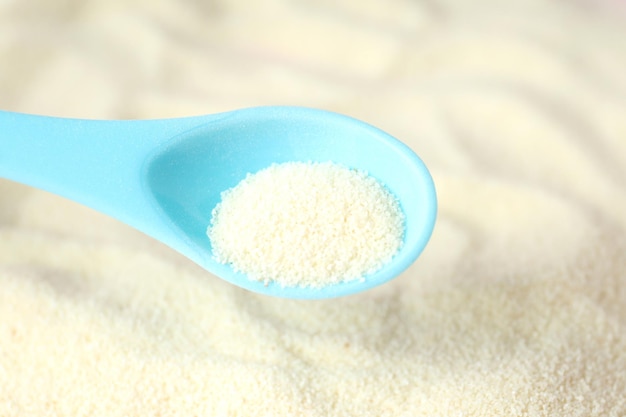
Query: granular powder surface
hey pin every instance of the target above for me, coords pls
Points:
(517, 306)
(307, 224)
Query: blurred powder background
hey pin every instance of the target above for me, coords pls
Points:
(518, 305)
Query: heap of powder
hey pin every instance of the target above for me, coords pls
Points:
(307, 224)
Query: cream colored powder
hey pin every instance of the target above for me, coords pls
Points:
(306, 224)
(517, 307)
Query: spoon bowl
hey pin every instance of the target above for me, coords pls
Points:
(164, 177)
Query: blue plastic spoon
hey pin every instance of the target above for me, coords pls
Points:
(165, 176)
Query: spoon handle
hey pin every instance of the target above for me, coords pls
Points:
(97, 163)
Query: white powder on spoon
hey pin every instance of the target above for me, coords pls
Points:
(307, 224)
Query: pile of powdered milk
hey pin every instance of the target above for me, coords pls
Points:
(517, 307)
